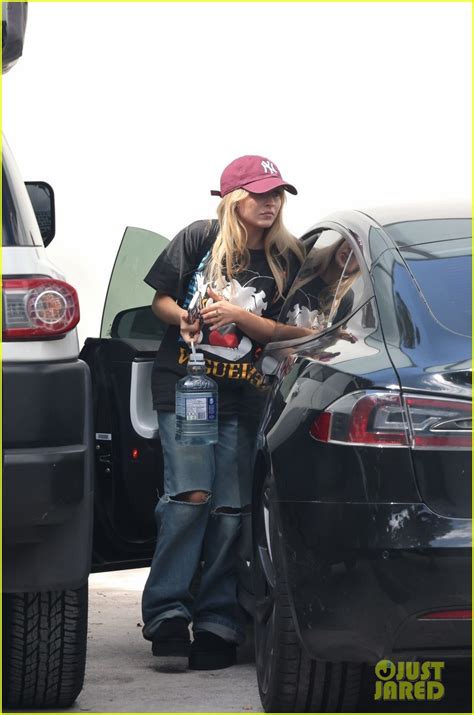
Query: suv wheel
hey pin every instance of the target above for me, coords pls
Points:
(44, 648)
(288, 679)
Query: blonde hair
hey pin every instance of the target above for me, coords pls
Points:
(318, 267)
(230, 254)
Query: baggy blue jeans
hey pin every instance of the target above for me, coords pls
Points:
(192, 532)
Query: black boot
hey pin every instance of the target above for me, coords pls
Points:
(172, 638)
(211, 652)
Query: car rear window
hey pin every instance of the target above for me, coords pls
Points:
(412, 233)
(442, 270)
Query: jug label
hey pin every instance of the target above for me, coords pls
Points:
(196, 408)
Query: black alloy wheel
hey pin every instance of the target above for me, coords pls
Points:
(288, 679)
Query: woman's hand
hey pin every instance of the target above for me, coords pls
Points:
(221, 312)
(189, 331)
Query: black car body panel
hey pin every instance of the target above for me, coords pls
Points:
(372, 538)
(47, 476)
(361, 576)
(326, 472)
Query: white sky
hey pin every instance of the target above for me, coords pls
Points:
(132, 110)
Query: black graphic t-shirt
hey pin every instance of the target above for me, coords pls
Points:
(230, 354)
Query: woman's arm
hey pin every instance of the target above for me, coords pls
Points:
(256, 327)
(166, 308)
(291, 332)
(221, 312)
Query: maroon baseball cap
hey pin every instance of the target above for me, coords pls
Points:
(256, 174)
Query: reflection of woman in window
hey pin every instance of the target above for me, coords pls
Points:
(321, 294)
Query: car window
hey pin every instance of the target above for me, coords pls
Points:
(327, 289)
(127, 312)
(446, 264)
(19, 226)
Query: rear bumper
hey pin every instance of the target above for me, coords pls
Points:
(361, 575)
(47, 475)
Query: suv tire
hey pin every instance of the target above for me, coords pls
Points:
(44, 648)
(288, 679)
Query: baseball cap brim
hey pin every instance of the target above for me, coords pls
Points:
(261, 186)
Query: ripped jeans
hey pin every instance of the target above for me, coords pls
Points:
(207, 531)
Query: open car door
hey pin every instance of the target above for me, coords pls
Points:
(128, 460)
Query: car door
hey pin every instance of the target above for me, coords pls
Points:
(327, 339)
(128, 460)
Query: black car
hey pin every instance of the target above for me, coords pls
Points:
(362, 503)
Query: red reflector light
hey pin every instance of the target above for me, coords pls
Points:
(39, 307)
(135, 453)
(456, 615)
(321, 427)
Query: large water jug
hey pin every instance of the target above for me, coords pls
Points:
(196, 405)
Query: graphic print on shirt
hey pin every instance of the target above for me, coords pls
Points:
(228, 342)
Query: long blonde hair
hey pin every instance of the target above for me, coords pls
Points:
(230, 254)
(318, 267)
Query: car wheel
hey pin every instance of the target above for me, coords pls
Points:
(44, 648)
(288, 679)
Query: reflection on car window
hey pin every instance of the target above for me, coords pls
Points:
(322, 293)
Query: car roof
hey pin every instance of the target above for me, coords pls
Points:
(386, 215)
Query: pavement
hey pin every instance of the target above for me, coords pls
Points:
(121, 675)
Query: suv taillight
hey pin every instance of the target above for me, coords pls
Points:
(38, 308)
(379, 419)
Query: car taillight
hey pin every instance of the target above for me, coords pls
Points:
(449, 615)
(38, 308)
(438, 422)
(378, 419)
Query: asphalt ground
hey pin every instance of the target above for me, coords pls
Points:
(122, 675)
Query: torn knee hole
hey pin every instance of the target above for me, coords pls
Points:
(194, 497)
(227, 510)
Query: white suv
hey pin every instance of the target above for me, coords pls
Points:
(47, 444)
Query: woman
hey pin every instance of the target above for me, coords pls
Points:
(239, 267)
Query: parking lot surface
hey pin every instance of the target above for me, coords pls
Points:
(121, 675)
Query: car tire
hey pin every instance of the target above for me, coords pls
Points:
(44, 648)
(288, 679)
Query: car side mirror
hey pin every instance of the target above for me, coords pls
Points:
(42, 198)
(14, 16)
